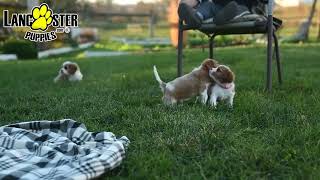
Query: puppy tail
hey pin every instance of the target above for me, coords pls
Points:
(156, 75)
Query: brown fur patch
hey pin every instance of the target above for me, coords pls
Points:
(209, 64)
(191, 84)
(224, 75)
(71, 68)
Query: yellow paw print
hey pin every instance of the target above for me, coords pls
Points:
(42, 16)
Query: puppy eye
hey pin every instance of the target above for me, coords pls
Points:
(66, 67)
(218, 70)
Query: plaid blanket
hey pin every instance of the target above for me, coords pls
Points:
(57, 150)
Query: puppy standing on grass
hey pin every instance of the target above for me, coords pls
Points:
(195, 83)
(69, 71)
(224, 86)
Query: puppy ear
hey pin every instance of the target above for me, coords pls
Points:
(72, 68)
(215, 63)
(205, 65)
(209, 64)
(233, 76)
(229, 77)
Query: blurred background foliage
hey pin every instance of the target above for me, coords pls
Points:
(146, 20)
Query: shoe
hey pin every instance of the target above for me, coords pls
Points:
(189, 16)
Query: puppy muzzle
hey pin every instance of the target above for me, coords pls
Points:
(213, 70)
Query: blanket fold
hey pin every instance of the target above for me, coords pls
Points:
(62, 149)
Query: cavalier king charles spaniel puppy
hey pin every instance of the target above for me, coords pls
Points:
(223, 87)
(195, 83)
(69, 71)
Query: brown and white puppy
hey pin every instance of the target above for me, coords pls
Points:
(223, 87)
(69, 71)
(195, 83)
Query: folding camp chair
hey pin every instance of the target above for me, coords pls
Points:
(248, 24)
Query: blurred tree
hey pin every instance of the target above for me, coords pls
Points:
(31, 4)
(81, 7)
(109, 3)
(318, 38)
(5, 4)
(106, 3)
(63, 6)
(86, 10)
(303, 33)
(173, 20)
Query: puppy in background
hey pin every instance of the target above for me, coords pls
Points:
(223, 87)
(195, 83)
(69, 71)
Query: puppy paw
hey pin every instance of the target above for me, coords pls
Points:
(213, 106)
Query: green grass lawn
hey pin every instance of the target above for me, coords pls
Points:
(267, 135)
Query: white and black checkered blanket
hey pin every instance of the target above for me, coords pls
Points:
(57, 150)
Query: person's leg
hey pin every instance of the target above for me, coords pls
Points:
(244, 7)
(207, 10)
(220, 12)
(230, 11)
(189, 15)
(194, 17)
(191, 3)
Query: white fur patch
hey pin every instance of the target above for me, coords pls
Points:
(204, 94)
(196, 69)
(213, 70)
(170, 87)
(221, 93)
(76, 77)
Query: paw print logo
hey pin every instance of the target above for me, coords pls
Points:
(42, 17)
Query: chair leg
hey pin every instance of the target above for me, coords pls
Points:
(276, 46)
(269, 55)
(211, 46)
(180, 48)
